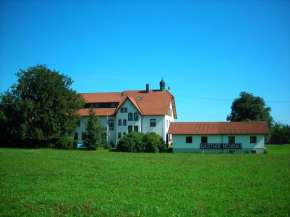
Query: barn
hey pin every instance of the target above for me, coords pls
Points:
(218, 137)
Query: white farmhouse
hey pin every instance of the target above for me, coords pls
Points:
(122, 112)
(218, 137)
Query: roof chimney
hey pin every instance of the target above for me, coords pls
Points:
(147, 88)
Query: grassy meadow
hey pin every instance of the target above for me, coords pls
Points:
(47, 182)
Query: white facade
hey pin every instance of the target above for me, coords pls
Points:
(123, 123)
(183, 145)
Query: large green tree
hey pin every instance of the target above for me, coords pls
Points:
(250, 108)
(93, 132)
(41, 106)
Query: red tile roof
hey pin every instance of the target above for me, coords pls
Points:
(218, 128)
(155, 102)
(98, 112)
(101, 97)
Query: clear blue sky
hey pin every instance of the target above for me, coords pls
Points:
(204, 50)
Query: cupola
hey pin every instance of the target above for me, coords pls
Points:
(162, 85)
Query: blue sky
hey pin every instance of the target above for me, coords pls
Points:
(206, 51)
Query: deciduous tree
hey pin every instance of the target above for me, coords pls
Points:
(280, 134)
(41, 106)
(250, 108)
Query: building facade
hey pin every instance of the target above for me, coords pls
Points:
(122, 112)
(219, 137)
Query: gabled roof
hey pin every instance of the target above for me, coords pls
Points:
(218, 128)
(132, 101)
(155, 102)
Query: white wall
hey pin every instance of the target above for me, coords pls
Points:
(180, 145)
(143, 123)
(159, 129)
(124, 116)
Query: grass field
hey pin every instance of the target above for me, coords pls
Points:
(46, 182)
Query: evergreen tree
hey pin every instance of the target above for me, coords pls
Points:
(93, 139)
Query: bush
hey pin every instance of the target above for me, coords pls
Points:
(132, 142)
(154, 143)
(66, 142)
(138, 142)
(106, 145)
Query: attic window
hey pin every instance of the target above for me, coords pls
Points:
(139, 98)
(124, 110)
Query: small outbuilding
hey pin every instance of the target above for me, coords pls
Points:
(218, 137)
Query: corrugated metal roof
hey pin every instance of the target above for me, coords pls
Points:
(218, 128)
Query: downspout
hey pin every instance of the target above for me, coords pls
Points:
(163, 127)
(141, 118)
(107, 129)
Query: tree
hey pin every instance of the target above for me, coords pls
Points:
(40, 107)
(280, 133)
(250, 108)
(93, 133)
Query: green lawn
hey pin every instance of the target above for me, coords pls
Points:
(46, 182)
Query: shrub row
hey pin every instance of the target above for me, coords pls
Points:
(139, 142)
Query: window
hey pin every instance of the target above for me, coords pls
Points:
(136, 116)
(83, 136)
(119, 135)
(152, 122)
(76, 137)
(189, 139)
(232, 140)
(124, 133)
(120, 122)
(136, 128)
(113, 105)
(123, 110)
(79, 123)
(130, 116)
(129, 129)
(253, 139)
(111, 124)
(124, 122)
(204, 139)
(96, 105)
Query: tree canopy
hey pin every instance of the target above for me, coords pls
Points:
(40, 106)
(280, 133)
(250, 108)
